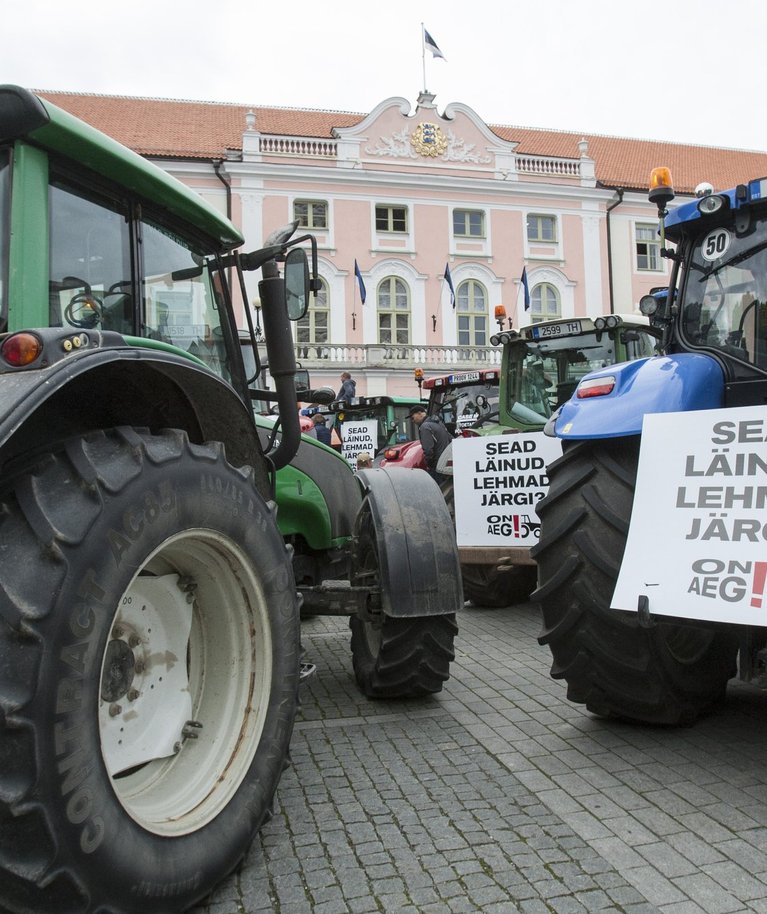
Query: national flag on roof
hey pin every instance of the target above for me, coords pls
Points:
(431, 45)
(357, 273)
(449, 281)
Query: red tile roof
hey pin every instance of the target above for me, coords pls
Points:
(194, 130)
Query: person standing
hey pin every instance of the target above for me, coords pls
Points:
(348, 387)
(434, 438)
(321, 429)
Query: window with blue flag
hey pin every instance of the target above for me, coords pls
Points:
(357, 273)
(449, 281)
(526, 287)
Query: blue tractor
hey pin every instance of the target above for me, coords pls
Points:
(713, 318)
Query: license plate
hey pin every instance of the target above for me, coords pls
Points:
(464, 377)
(565, 328)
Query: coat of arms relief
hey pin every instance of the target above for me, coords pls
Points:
(429, 141)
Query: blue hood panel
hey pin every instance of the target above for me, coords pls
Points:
(661, 384)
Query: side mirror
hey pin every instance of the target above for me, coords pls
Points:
(296, 283)
(302, 380)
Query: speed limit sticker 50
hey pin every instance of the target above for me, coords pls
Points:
(715, 244)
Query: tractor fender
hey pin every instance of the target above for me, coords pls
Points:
(408, 455)
(103, 388)
(418, 563)
(681, 382)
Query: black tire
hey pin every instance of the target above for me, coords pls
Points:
(664, 674)
(395, 657)
(143, 586)
(485, 585)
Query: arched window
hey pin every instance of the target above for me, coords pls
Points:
(471, 308)
(544, 302)
(313, 327)
(393, 299)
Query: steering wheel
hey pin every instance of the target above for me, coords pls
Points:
(84, 310)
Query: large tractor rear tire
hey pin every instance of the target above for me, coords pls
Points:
(662, 674)
(149, 661)
(398, 656)
(485, 585)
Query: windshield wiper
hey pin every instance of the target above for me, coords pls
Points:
(733, 260)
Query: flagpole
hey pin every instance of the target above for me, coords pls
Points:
(423, 57)
(354, 301)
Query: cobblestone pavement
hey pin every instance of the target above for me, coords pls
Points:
(497, 795)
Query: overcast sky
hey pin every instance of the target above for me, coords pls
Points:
(684, 71)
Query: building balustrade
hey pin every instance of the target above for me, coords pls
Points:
(321, 355)
(311, 147)
(540, 165)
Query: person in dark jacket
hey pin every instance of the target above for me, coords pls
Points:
(348, 387)
(321, 429)
(434, 438)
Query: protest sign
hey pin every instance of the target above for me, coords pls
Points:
(497, 482)
(357, 437)
(697, 543)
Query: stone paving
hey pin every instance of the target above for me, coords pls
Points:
(497, 795)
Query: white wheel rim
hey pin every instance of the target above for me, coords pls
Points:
(190, 642)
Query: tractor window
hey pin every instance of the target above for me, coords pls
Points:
(544, 374)
(5, 234)
(402, 428)
(462, 407)
(180, 300)
(90, 265)
(724, 301)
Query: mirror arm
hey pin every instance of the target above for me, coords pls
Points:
(282, 361)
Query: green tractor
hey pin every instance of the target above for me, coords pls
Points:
(372, 423)
(149, 608)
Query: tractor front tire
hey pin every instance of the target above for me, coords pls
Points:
(661, 674)
(149, 661)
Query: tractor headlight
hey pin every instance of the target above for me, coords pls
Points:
(711, 203)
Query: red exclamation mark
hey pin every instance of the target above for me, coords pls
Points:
(516, 527)
(760, 576)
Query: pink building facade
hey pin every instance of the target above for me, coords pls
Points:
(411, 193)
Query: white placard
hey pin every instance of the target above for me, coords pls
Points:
(497, 481)
(697, 543)
(359, 436)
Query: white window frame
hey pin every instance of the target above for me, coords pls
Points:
(311, 204)
(652, 252)
(467, 213)
(537, 239)
(390, 220)
(537, 316)
(393, 310)
(471, 314)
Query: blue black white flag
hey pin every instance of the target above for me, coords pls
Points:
(449, 281)
(357, 273)
(525, 286)
(431, 45)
